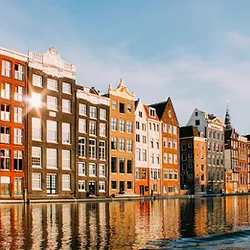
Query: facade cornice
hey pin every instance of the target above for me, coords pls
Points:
(92, 98)
(51, 63)
(13, 54)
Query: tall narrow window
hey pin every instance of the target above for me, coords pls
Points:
(102, 129)
(66, 134)
(36, 181)
(82, 168)
(114, 143)
(129, 127)
(66, 183)
(92, 148)
(19, 72)
(92, 169)
(5, 90)
(122, 125)
(103, 114)
(113, 164)
(18, 115)
(92, 128)
(122, 165)
(82, 146)
(102, 153)
(66, 88)
(6, 68)
(5, 159)
(37, 80)
(129, 166)
(93, 112)
(5, 135)
(102, 171)
(114, 123)
(18, 94)
(66, 106)
(18, 136)
(129, 145)
(66, 159)
(52, 103)
(82, 126)
(52, 84)
(82, 109)
(51, 131)
(51, 184)
(36, 158)
(5, 112)
(18, 160)
(36, 129)
(51, 158)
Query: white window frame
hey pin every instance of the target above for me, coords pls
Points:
(52, 103)
(5, 90)
(18, 115)
(66, 133)
(37, 80)
(92, 169)
(36, 156)
(18, 93)
(81, 185)
(81, 168)
(36, 181)
(6, 68)
(36, 129)
(82, 109)
(19, 72)
(18, 136)
(52, 131)
(66, 182)
(66, 106)
(103, 114)
(51, 158)
(66, 88)
(66, 159)
(102, 186)
(82, 128)
(102, 170)
(52, 84)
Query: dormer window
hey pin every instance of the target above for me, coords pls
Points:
(151, 112)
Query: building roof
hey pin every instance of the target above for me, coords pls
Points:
(156, 118)
(189, 131)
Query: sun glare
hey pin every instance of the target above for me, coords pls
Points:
(36, 100)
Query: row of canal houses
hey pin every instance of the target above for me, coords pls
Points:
(59, 139)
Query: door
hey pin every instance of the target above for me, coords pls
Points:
(51, 184)
(92, 187)
(141, 189)
(121, 187)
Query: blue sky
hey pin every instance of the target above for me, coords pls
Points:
(196, 52)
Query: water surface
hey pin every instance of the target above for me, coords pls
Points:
(200, 223)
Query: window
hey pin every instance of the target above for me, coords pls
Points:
(122, 125)
(103, 114)
(5, 90)
(170, 129)
(5, 185)
(66, 182)
(165, 158)
(92, 148)
(102, 129)
(144, 155)
(144, 174)
(5, 159)
(137, 124)
(36, 100)
(169, 113)
(37, 80)
(129, 166)
(122, 144)
(102, 149)
(121, 165)
(164, 127)
(52, 103)
(113, 185)
(129, 127)
(82, 168)
(18, 186)
(170, 158)
(5, 112)
(18, 94)
(129, 184)
(93, 112)
(165, 144)
(165, 174)
(138, 154)
(52, 131)
(81, 146)
(174, 130)
(114, 143)
(66, 135)
(137, 174)
(51, 184)
(170, 143)
(152, 142)
(36, 157)
(183, 147)
(129, 145)
(66, 88)
(129, 108)
(4, 134)
(92, 169)
(19, 72)
(52, 84)
(36, 181)
(81, 186)
(143, 126)
(66, 159)
(157, 144)
(197, 122)
(144, 139)
(92, 128)
(152, 112)
(66, 106)
(175, 144)
(113, 104)
(152, 158)
(175, 159)
(82, 126)
(122, 107)
(140, 113)
(51, 158)
(137, 137)
(102, 186)
(18, 136)
(18, 115)
(113, 164)
(82, 109)
(6, 68)
(114, 123)
(102, 171)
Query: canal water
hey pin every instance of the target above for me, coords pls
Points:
(200, 223)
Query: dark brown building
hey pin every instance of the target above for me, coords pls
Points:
(92, 142)
(51, 126)
(193, 160)
(12, 133)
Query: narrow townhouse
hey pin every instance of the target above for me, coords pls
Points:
(51, 126)
(193, 160)
(154, 150)
(170, 147)
(141, 149)
(122, 134)
(213, 129)
(236, 159)
(92, 142)
(12, 124)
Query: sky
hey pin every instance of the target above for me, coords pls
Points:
(196, 52)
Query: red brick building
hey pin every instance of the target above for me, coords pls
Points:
(12, 133)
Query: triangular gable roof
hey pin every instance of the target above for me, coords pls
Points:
(217, 120)
(161, 106)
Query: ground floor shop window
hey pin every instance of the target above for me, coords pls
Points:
(5, 185)
(18, 186)
(51, 184)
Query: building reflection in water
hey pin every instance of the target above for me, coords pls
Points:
(118, 225)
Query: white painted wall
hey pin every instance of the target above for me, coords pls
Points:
(201, 116)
